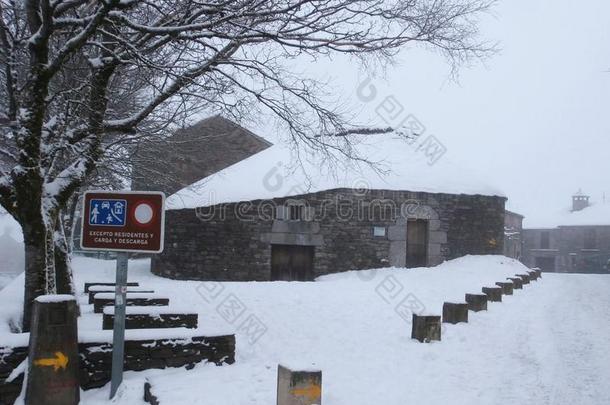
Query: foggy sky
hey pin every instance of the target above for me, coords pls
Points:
(533, 118)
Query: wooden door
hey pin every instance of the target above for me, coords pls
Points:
(280, 262)
(417, 243)
(292, 262)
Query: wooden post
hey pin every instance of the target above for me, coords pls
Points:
(517, 283)
(494, 294)
(298, 387)
(455, 312)
(477, 302)
(524, 277)
(506, 286)
(53, 361)
(426, 328)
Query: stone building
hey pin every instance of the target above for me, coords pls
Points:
(264, 219)
(513, 234)
(576, 240)
(191, 154)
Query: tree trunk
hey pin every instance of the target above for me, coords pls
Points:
(34, 238)
(63, 268)
(63, 250)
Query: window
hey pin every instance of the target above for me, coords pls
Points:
(295, 212)
(545, 240)
(590, 239)
(379, 231)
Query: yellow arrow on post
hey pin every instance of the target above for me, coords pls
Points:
(311, 392)
(60, 361)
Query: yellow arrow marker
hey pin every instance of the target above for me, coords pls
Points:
(312, 392)
(60, 361)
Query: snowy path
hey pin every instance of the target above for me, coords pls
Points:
(549, 348)
(547, 344)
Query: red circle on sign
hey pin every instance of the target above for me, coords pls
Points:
(143, 213)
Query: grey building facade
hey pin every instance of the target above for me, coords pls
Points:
(569, 248)
(309, 235)
(513, 235)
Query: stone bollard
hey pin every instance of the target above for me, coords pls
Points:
(494, 294)
(477, 302)
(53, 360)
(426, 328)
(517, 283)
(298, 387)
(524, 277)
(506, 286)
(455, 312)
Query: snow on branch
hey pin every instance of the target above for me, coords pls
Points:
(81, 80)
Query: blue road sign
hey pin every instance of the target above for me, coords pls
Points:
(107, 212)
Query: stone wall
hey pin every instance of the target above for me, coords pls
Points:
(10, 358)
(152, 321)
(100, 303)
(96, 359)
(233, 241)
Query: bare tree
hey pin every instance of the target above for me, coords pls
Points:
(80, 75)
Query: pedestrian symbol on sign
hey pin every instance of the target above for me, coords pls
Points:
(107, 212)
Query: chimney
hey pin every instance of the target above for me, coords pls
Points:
(579, 201)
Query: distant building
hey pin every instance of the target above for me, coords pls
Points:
(192, 153)
(575, 240)
(513, 234)
(260, 220)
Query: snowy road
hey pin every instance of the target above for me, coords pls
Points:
(549, 348)
(547, 344)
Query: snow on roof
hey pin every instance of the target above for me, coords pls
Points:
(272, 173)
(595, 214)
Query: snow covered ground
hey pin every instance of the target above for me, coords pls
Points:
(5, 279)
(547, 344)
(11, 249)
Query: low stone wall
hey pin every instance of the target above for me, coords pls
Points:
(10, 358)
(129, 291)
(152, 321)
(96, 359)
(129, 284)
(100, 303)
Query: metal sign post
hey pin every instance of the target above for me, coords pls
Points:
(126, 221)
(118, 334)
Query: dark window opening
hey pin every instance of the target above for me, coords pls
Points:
(590, 239)
(545, 238)
(295, 212)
